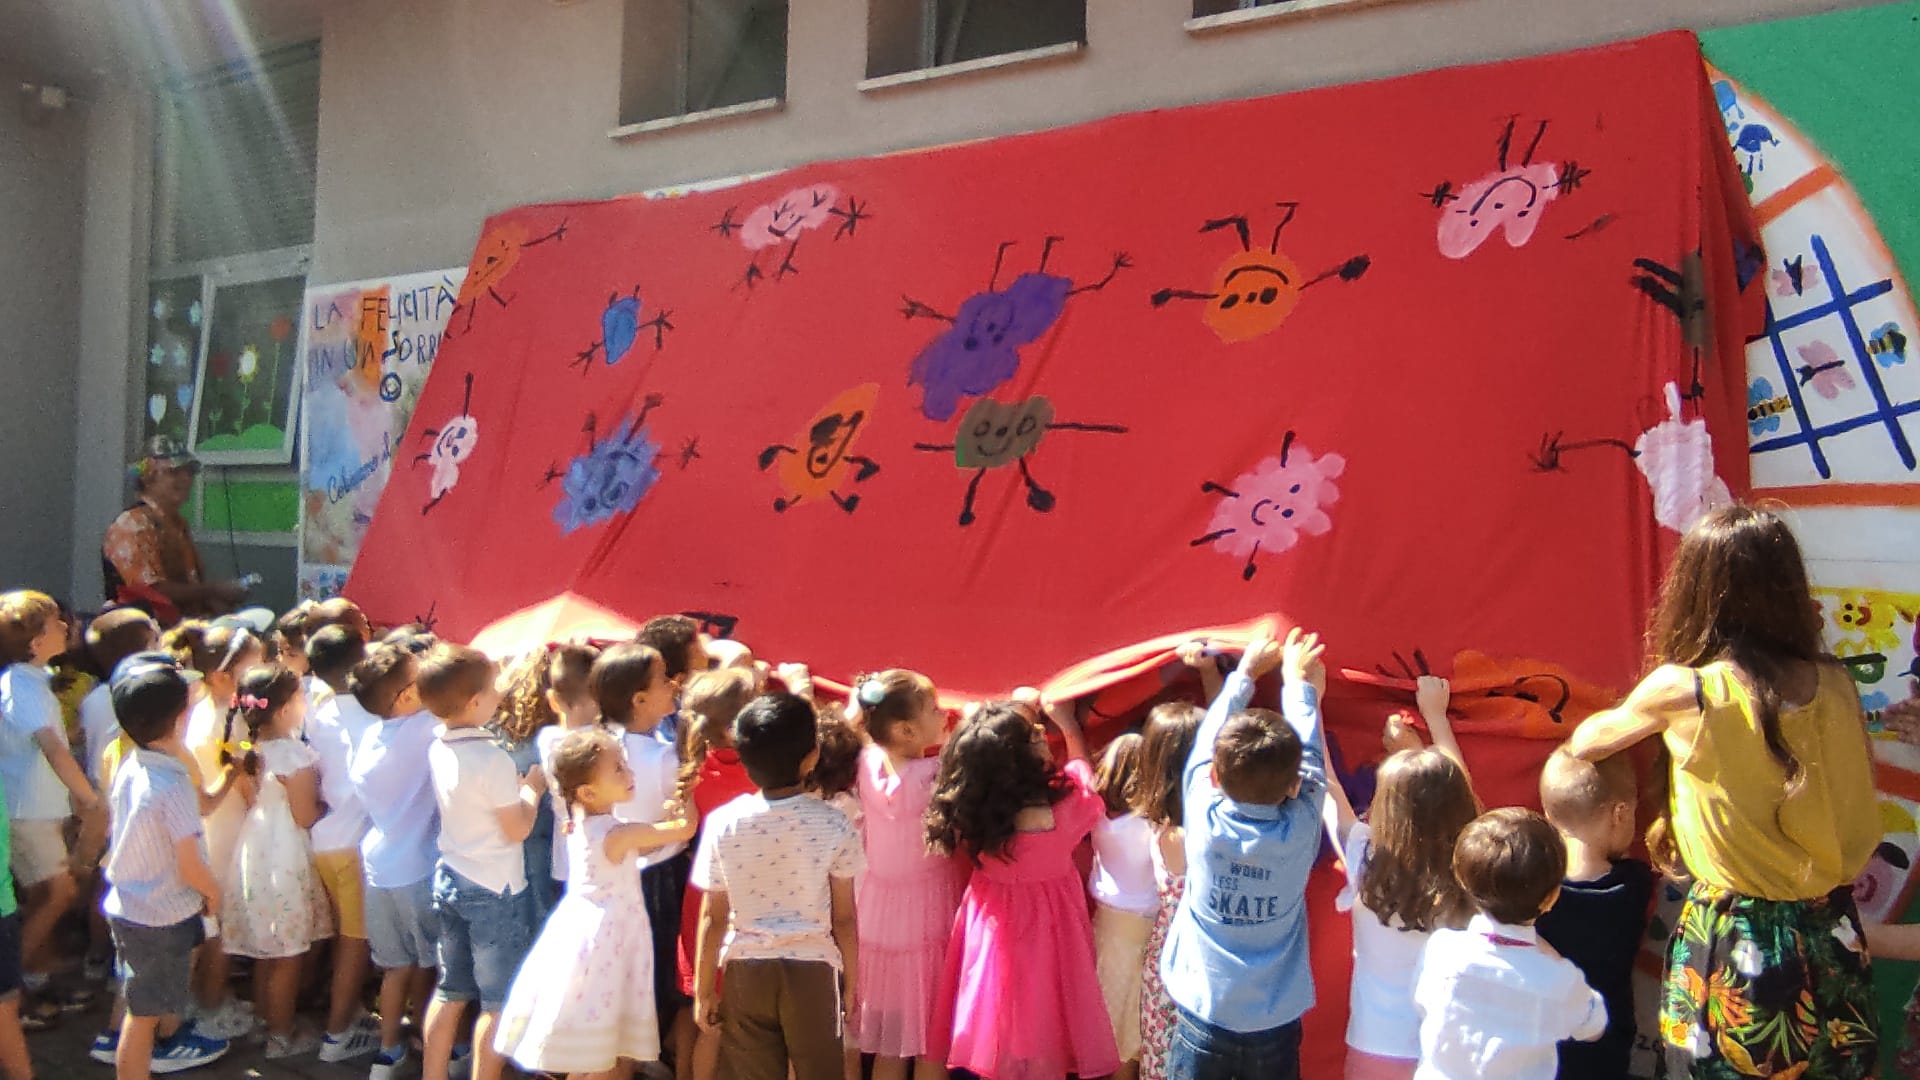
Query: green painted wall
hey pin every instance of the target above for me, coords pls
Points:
(1850, 83)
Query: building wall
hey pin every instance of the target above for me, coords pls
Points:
(435, 113)
(40, 213)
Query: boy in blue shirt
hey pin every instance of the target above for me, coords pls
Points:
(1236, 961)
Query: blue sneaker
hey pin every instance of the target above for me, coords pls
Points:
(188, 1049)
(105, 1046)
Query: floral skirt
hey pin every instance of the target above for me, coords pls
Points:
(1156, 1008)
(1779, 988)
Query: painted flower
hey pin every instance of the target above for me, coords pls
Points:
(249, 364)
(156, 355)
(220, 365)
(280, 328)
(184, 395)
(193, 313)
(1726, 1005)
(177, 354)
(1747, 959)
(157, 407)
(609, 479)
(160, 308)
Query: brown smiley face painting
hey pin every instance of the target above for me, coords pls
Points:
(993, 434)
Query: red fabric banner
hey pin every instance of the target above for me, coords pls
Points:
(1425, 364)
(1375, 357)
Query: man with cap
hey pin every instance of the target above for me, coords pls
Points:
(149, 553)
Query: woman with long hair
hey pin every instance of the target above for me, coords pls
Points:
(1767, 804)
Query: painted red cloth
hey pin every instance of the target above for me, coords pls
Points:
(1379, 462)
(1433, 360)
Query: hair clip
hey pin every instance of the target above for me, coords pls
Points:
(248, 701)
(241, 635)
(236, 749)
(871, 693)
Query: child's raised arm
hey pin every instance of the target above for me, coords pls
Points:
(1305, 674)
(640, 837)
(1431, 696)
(1338, 815)
(1205, 661)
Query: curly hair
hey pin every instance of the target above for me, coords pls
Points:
(993, 768)
(558, 669)
(837, 769)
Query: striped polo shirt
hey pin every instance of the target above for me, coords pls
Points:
(154, 807)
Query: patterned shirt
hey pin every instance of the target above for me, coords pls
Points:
(146, 545)
(154, 807)
(773, 859)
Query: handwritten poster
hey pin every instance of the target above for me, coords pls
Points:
(365, 349)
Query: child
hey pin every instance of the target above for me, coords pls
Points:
(777, 868)
(834, 775)
(1165, 741)
(160, 880)
(908, 896)
(275, 907)
(1493, 1000)
(339, 611)
(711, 776)
(1235, 963)
(683, 649)
(390, 777)
(480, 883)
(219, 652)
(1020, 994)
(565, 694)
(635, 694)
(583, 1001)
(1601, 915)
(1400, 882)
(334, 727)
(111, 638)
(1124, 894)
(44, 786)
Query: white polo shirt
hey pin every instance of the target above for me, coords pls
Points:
(27, 707)
(334, 728)
(473, 779)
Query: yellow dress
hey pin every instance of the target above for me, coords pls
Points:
(1732, 820)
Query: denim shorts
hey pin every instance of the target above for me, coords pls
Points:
(156, 964)
(1203, 1051)
(483, 937)
(401, 926)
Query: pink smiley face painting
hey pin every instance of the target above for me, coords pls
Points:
(1273, 505)
(1509, 200)
(784, 219)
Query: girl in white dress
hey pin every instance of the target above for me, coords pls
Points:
(583, 999)
(273, 906)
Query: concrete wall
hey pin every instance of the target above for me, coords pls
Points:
(116, 197)
(435, 113)
(40, 224)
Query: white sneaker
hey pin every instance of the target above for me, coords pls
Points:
(407, 1066)
(299, 1044)
(361, 1038)
(232, 1019)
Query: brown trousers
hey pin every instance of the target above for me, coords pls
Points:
(773, 1012)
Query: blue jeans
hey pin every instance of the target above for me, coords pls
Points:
(483, 937)
(1201, 1051)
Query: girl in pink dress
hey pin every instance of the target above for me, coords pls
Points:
(1020, 998)
(907, 900)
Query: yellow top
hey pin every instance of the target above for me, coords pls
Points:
(1732, 821)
